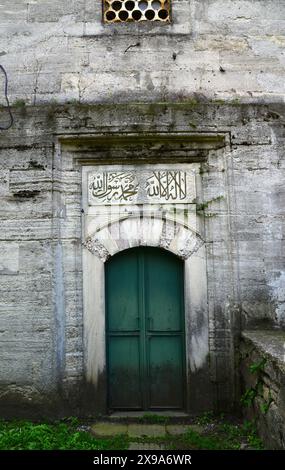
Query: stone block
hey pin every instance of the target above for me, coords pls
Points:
(45, 11)
(108, 429)
(146, 430)
(9, 258)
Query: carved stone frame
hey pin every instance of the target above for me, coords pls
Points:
(85, 153)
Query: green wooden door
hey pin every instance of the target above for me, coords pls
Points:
(145, 330)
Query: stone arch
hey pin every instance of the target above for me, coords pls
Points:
(105, 239)
(132, 231)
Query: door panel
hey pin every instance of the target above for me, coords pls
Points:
(163, 279)
(165, 372)
(122, 286)
(145, 330)
(124, 372)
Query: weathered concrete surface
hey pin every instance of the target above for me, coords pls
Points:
(220, 49)
(103, 429)
(267, 348)
(140, 430)
(41, 297)
(149, 430)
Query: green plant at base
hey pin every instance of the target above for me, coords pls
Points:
(19, 435)
(257, 367)
(264, 407)
(250, 430)
(206, 418)
(67, 435)
(247, 399)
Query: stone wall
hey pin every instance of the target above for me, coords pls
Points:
(214, 75)
(240, 207)
(263, 384)
(223, 49)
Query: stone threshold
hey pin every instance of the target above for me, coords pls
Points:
(148, 417)
(136, 430)
(142, 414)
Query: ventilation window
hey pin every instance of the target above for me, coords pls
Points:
(136, 10)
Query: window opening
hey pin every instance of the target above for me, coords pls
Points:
(136, 10)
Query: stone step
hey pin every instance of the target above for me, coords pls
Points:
(140, 430)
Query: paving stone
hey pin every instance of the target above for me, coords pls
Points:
(145, 446)
(176, 429)
(109, 429)
(149, 430)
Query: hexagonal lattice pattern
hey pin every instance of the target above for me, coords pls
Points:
(136, 10)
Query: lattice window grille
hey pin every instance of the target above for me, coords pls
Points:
(136, 10)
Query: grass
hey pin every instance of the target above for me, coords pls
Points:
(214, 433)
(24, 435)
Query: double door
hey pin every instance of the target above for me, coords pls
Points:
(145, 330)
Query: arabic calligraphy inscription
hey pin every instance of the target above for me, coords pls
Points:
(117, 186)
(140, 187)
(167, 185)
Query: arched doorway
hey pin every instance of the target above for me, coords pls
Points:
(145, 333)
